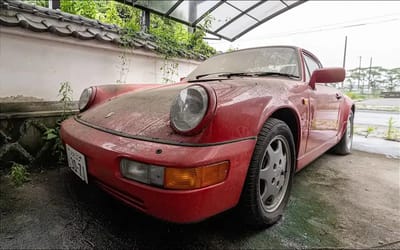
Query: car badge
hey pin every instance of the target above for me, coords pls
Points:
(109, 114)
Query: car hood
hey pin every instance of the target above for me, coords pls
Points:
(145, 114)
(136, 112)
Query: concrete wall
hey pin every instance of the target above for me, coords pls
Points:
(34, 64)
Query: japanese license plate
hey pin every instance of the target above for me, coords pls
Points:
(76, 161)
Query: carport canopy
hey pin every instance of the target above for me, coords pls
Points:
(227, 19)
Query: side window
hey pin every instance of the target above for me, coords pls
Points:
(311, 65)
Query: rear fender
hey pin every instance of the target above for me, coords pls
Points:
(345, 108)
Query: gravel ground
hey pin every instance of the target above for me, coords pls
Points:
(337, 202)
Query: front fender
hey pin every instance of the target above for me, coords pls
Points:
(103, 93)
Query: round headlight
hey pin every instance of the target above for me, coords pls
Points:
(85, 98)
(189, 108)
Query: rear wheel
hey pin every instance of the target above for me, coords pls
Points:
(345, 144)
(270, 174)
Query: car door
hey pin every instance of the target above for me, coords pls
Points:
(324, 109)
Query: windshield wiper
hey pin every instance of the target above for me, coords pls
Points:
(237, 74)
(230, 74)
(225, 74)
(210, 74)
(276, 73)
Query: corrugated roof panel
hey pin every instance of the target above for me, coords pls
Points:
(242, 5)
(238, 25)
(222, 15)
(198, 9)
(267, 9)
(159, 6)
(229, 19)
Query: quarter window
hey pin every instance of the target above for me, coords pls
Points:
(311, 65)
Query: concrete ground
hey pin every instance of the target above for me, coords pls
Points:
(383, 104)
(393, 102)
(338, 201)
(390, 149)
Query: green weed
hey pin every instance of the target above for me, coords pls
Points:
(19, 175)
(370, 129)
(391, 133)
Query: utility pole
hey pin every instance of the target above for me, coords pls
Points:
(344, 54)
(369, 73)
(359, 75)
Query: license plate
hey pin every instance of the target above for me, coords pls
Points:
(76, 161)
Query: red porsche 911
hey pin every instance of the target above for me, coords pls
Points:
(231, 134)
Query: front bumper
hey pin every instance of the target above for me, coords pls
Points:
(103, 152)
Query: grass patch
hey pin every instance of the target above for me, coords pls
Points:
(19, 174)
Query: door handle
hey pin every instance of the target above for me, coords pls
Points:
(338, 96)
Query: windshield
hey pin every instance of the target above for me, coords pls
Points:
(281, 60)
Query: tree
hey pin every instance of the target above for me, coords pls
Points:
(373, 79)
(393, 79)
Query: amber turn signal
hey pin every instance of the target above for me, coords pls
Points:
(192, 178)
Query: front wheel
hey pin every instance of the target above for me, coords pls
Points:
(270, 174)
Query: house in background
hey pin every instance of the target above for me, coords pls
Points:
(41, 47)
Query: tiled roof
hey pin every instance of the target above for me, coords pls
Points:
(39, 19)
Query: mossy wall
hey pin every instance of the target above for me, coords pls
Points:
(22, 125)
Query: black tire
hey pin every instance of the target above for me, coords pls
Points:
(257, 203)
(346, 142)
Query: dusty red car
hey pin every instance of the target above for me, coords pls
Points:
(231, 134)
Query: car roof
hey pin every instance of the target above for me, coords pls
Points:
(261, 47)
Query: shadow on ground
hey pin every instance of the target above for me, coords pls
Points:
(56, 210)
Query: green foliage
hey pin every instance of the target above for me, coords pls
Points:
(19, 175)
(65, 92)
(170, 71)
(57, 150)
(106, 11)
(391, 132)
(52, 135)
(370, 129)
(355, 96)
(43, 3)
(171, 37)
(373, 80)
(196, 41)
(87, 8)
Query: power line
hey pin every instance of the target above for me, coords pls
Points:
(330, 27)
(343, 25)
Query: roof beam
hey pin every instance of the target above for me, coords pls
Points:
(208, 12)
(173, 7)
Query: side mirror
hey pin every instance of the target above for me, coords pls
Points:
(327, 75)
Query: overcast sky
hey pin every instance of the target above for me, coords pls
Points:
(321, 27)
